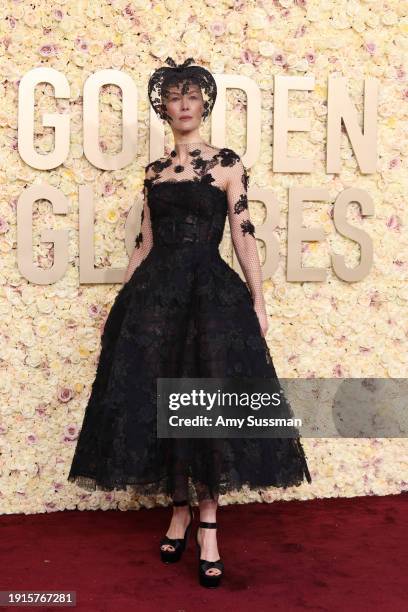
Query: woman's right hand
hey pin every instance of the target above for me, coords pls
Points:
(103, 323)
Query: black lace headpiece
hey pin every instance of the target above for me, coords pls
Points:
(174, 74)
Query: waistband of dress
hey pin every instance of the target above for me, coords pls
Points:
(201, 247)
(176, 233)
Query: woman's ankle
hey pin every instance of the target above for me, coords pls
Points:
(181, 515)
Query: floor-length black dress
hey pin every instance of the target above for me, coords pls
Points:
(184, 313)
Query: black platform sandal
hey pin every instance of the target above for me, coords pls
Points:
(178, 544)
(208, 580)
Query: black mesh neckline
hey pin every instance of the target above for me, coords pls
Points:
(187, 145)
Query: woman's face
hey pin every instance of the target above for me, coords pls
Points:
(185, 109)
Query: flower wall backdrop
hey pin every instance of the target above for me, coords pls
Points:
(50, 334)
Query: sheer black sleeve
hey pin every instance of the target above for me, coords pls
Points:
(144, 239)
(242, 229)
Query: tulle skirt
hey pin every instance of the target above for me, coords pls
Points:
(183, 313)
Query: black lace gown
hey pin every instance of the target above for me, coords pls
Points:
(183, 313)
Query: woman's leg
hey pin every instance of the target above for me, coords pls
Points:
(181, 514)
(178, 525)
(207, 537)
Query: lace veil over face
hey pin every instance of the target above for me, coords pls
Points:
(185, 74)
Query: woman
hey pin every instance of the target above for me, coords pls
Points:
(183, 312)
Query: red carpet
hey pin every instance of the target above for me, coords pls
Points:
(329, 554)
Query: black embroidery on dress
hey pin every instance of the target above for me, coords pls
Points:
(241, 205)
(247, 227)
(160, 164)
(207, 179)
(245, 179)
(228, 157)
(202, 166)
(139, 240)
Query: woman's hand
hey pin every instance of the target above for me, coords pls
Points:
(262, 316)
(103, 323)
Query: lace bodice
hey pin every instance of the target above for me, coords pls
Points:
(211, 182)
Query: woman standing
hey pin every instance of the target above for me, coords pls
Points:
(183, 312)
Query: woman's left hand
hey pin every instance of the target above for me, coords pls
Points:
(262, 317)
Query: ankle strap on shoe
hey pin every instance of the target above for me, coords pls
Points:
(184, 502)
(208, 525)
